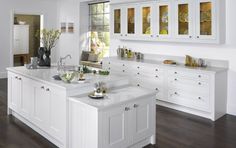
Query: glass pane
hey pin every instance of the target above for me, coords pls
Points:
(97, 19)
(131, 20)
(206, 18)
(117, 15)
(106, 8)
(146, 20)
(93, 9)
(163, 20)
(106, 19)
(183, 19)
(100, 8)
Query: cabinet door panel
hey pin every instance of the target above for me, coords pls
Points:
(41, 106)
(15, 92)
(206, 19)
(26, 99)
(117, 21)
(143, 119)
(57, 120)
(115, 127)
(184, 19)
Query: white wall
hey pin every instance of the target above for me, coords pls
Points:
(68, 11)
(48, 8)
(221, 52)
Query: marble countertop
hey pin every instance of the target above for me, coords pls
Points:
(45, 75)
(115, 97)
(180, 66)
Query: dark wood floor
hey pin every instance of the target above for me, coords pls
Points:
(174, 130)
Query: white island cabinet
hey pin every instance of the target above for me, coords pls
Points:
(39, 101)
(125, 118)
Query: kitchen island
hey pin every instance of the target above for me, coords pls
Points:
(42, 103)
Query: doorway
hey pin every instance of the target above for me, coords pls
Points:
(25, 41)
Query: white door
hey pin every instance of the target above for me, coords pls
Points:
(143, 119)
(41, 104)
(21, 39)
(130, 21)
(115, 128)
(164, 19)
(117, 18)
(14, 91)
(184, 19)
(146, 20)
(57, 119)
(26, 99)
(206, 19)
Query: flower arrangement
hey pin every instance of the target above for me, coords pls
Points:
(48, 37)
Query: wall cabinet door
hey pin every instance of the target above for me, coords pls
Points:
(206, 19)
(164, 20)
(115, 128)
(184, 19)
(130, 20)
(143, 119)
(117, 18)
(146, 20)
(21, 39)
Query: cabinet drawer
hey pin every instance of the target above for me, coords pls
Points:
(186, 84)
(149, 77)
(189, 75)
(151, 69)
(196, 101)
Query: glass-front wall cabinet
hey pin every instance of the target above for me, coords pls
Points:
(205, 18)
(164, 19)
(117, 21)
(183, 19)
(131, 20)
(146, 20)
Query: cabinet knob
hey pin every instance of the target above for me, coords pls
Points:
(176, 72)
(198, 37)
(157, 76)
(121, 35)
(176, 93)
(138, 67)
(135, 105)
(127, 108)
(123, 70)
(126, 35)
(47, 89)
(199, 76)
(158, 36)
(151, 35)
(138, 73)
(19, 79)
(42, 87)
(190, 37)
(156, 69)
(157, 89)
(199, 83)
(199, 98)
(109, 63)
(16, 77)
(123, 64)
(138, 85)
(176, 79)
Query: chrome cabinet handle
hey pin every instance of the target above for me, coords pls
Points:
(135, 105)
(127, 108)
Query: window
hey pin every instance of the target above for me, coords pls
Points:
(99, 16)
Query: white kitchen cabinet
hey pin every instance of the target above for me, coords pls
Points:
(122, 125)
(21, 39)
(196, 21)
(206, 16)
(184, 19)
(198, 91)
(117, 19)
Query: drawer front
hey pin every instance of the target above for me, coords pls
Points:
(189, 75)
(196, 101)
(149, 77)
(189, 85)
(151, 69)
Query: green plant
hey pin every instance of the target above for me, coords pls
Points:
(48, 37)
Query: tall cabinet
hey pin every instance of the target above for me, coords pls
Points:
(197, 21)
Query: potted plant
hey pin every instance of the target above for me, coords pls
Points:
(49, 39)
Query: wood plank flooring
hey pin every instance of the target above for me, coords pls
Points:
(174, 130)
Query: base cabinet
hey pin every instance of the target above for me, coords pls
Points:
(41, 105)
(117, 127)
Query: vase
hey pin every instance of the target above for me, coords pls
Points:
(41, 52)
(47, 59)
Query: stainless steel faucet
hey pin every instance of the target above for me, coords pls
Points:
(60, 64)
